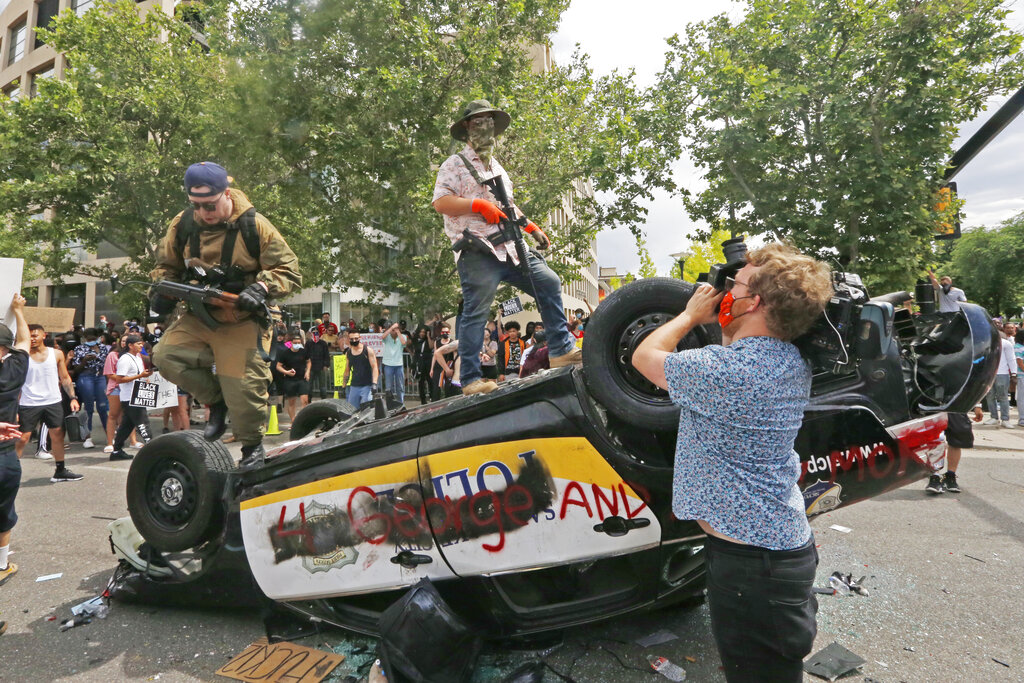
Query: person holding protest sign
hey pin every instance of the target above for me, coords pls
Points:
(130, 369)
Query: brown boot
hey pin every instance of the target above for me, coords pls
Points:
(480, 386)
(574, 357)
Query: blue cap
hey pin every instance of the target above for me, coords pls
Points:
(209, 174)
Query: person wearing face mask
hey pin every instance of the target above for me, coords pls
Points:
(361, 373)
(468, 204)
(87, 362)
(947, 295)
(294, 366)
(222, 232)
(736, 472)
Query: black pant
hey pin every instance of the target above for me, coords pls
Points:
(762, 609)
(423, 384)
(132, 417)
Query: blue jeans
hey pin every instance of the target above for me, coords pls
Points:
(999, 397)
(92, 391)
(394, 381)
(359, 395)
(480, 275)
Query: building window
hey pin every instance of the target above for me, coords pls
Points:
(13, 92)
(48, 9)
(47, 72)
(16, 46)
(81, 6)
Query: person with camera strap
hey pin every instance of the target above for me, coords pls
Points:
(736, 472)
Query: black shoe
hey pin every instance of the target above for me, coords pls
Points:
(218, 421)
(64, 474)
(166, 431)
(252, 457)
(121, 455)
(934, 484)
(950, 482)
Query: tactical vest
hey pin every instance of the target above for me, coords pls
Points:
(188, 233)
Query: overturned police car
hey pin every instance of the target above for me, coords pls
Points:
(546, 503)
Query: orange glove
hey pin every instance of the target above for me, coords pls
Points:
(490, 212)
(542, 239)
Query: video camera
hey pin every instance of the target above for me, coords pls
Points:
(827, 345)
(735, 251)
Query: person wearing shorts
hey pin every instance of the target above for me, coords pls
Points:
(41, 402)
(293, 366)
(959, 435)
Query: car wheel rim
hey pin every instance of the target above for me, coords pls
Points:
(638, 386)
(172, 494)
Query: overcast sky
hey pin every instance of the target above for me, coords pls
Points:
(623, 35)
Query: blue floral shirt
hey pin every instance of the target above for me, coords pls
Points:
(735, 468)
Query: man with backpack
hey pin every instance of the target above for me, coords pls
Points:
(223, 234)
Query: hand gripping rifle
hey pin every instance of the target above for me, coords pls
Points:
(200, 297)
(510, 229)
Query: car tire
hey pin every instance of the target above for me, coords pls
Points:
(616, 328)
(320, 415)
(175, 490)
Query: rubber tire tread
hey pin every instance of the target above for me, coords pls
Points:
(209, 462)
(601, 372)
(313, 415)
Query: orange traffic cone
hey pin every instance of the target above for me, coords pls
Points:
(272, 428)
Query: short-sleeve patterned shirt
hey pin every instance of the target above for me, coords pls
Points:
(735, 467)
(453, 178)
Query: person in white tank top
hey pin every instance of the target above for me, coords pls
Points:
(40, 400)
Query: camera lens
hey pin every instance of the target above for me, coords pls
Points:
(735, 249)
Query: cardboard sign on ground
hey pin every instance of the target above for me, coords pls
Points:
(263, 662)
(55, 320)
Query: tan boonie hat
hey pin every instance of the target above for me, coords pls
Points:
(501, 119)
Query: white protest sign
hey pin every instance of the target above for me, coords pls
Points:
(374, 341)
(10, 284)
(511, 307)
(154, 393)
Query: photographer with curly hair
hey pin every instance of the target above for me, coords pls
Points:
(736, 471)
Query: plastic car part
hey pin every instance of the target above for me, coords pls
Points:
(621, 322)
(321, 415)
(125, 542)
(175, 490)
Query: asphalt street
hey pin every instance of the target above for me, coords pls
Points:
(944, 575)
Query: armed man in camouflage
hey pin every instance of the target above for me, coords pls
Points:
(222, 233)
(469, 206)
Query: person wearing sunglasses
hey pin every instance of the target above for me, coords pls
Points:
(221, 228)
(736, 472)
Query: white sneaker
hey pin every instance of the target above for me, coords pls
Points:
(44, 455)
(1006, 424)
(991, 421)
(88, 443)
(138, 444)
(108, 449)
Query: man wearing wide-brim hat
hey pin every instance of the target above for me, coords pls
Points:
(467, 204)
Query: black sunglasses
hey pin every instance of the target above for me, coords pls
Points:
(206, 206)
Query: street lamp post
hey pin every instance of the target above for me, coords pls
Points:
(680, 258)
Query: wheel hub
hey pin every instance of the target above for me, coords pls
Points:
(172, 492)
(630, 338)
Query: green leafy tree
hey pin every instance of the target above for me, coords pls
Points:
(647, 268)
(702, 255)
(103, 151)
(986, 265)
(830, 121)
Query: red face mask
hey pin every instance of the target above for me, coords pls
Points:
(725, 316)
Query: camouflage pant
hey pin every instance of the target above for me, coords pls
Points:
(188, 350)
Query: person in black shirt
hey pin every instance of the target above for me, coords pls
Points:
(362, 368)
(422, 351)
(13, 369)
(441, 377)
(320, 364)
(294, 367)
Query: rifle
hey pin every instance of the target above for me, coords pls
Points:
(199, 297)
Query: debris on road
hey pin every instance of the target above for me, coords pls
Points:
(832, 662)
(998, 661)
(840, 528)
(77, 620)
(93, 607)
(656, 638)
(273, 662)
(910, 649)
(672, 672)
(974, 558)
(50, 577)
(844, 584)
